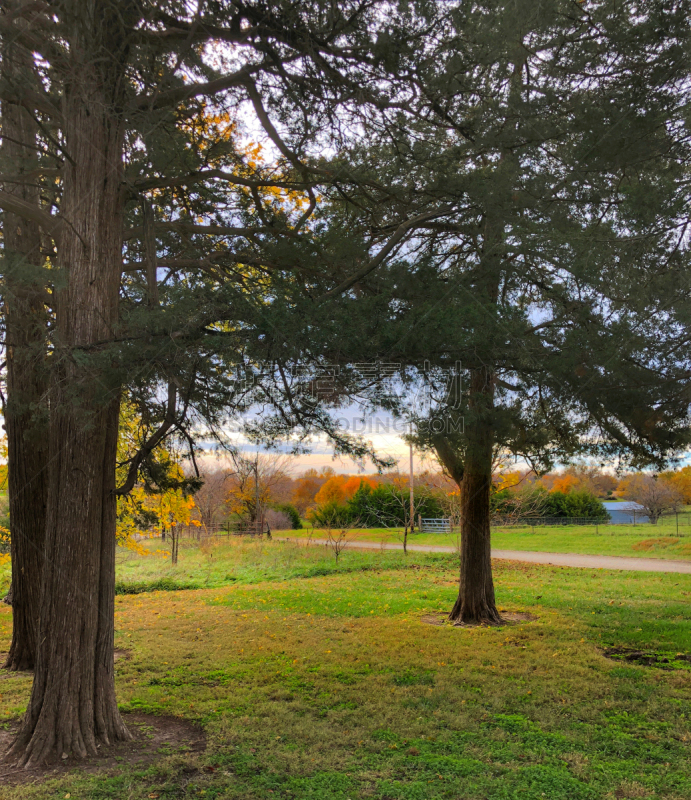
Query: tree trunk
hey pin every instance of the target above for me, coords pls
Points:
(26, 423)
(173, 545)
(72, 706)
(476, 602)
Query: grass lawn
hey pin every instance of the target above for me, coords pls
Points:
(644, 540)
(319, 680)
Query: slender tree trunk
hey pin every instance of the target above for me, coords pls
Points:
(476, 602)
(73, 708)
(175, 539)
(26, 423)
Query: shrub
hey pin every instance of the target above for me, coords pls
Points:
(538, 502)
(331, 515)
(292, 513)
(277, 520)
(574, 504)
(380, 506)
(387, 506)
(159, 585)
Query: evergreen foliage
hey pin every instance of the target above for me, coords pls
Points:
(382, 506)
(503, 185)
(538, 502)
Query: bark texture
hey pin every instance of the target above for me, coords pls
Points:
(476, 602)
(73, 707)
(26, 411)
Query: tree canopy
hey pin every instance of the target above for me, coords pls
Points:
(238, 207)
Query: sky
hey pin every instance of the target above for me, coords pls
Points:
(379, 428)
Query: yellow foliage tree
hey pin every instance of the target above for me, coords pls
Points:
(567, 483)
(172, 508)
(141, 509)
(507, 480)
(679, 480)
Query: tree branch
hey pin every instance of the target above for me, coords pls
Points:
(173, 96)
(203, 263)
(399, 233)
(150, 444)
(217, 174)
(52, 225)
(32, 175)
(189, 227)
(268, 126)
(38, 44)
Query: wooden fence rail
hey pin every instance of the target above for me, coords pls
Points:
(203, 531)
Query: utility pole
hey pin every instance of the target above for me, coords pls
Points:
(256, 495)
(412, 494)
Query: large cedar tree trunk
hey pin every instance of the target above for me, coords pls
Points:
(476, 602)
(26, 423)
(72, 708)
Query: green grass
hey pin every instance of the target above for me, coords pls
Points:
(136, 574)
(319, 680)
(238, 560)
(644, 541)
(649, 541)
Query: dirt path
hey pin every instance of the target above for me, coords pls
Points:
(557, 559)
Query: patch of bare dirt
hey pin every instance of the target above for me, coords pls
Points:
(121, 654)
(648, 658)
(653, 544)
(6, 673)
(154, 738)
(507, 618)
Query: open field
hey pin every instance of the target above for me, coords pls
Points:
(316, 679)
(648, 541)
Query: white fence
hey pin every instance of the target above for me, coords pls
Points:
(440, 525)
